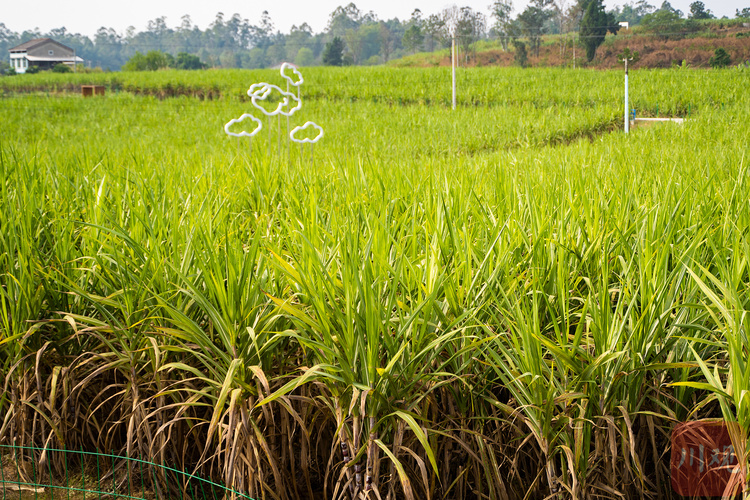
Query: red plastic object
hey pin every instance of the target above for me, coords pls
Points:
(703, 463)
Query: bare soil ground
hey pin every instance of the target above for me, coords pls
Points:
(17, 482)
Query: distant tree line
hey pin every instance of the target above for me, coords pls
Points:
(234, 42)
(355, 37)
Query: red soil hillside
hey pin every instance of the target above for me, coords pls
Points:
(655, 51)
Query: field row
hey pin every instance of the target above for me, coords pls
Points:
(676, 91)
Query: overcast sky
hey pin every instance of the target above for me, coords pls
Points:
(86, 16)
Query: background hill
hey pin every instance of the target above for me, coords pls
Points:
(656, 51)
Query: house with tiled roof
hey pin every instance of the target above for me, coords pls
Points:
(44, 53)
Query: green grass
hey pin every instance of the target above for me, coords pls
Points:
(506, 299)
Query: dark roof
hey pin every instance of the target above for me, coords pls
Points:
(33, 43)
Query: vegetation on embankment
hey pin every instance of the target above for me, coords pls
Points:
(657, 51)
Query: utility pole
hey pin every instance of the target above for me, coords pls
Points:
(626, 56)
(453, 65)
(451, 20)
(627, 107)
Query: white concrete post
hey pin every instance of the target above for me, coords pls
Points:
(453, 66)
(627, 111)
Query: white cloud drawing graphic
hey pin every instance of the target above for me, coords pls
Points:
(306, 140)
(242, 118)
(295, 71)
(291, 98)
(259, 92)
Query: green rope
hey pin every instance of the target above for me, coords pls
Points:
(196, 490)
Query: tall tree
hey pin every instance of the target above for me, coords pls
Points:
(413, 37)
(370, 40)
(435, 32)
(262, 34)
(158, 26)
(239, 31)
(501, 11)
(353, 40)
(633, 12)
(532, 21)
(109, 45)
(667, 7)
(664, 23)
(333, 54)
(297, 39)
(386, 41)
(698, 11)
(595, 24)
(344, 18)
(567, 21)
(6, 34)
(470, 27)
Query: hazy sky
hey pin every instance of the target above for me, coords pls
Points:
(86, 16)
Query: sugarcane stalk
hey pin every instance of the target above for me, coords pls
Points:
(398, 438)
(554, 485)
(357, 467)
(345, 452)
(371, 449)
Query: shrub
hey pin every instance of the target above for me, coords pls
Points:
(188, 61)
(61, 68)
(720, 59)
(521, 57)
(151, 61)
(373, 61)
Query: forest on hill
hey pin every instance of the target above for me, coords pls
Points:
(353, 37)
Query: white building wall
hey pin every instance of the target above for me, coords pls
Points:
(19, 62)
